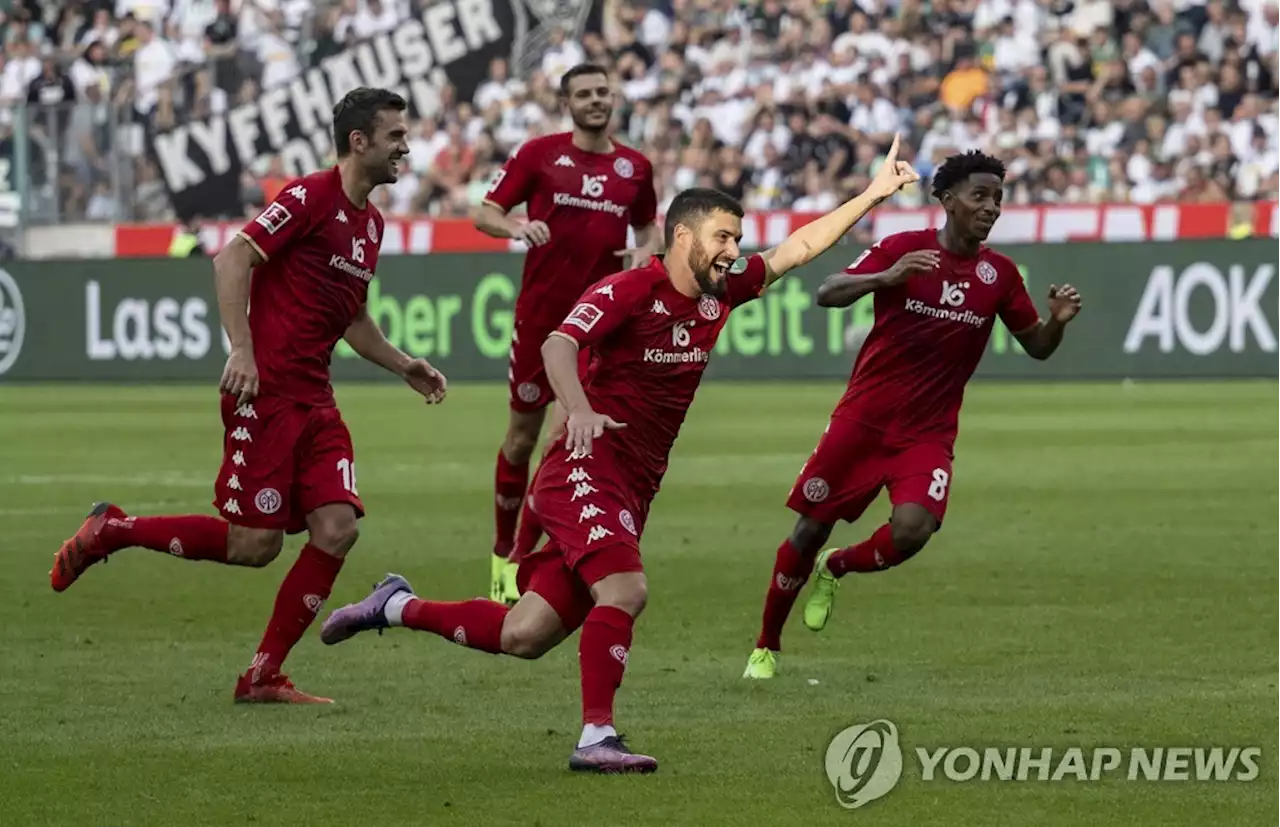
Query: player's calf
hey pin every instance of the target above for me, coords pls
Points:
(253, 547)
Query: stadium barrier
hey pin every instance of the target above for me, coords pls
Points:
(1176, 309)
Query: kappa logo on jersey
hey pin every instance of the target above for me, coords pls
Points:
(342, 217)
(299, 192)
(709, 307)
(231, 507)
(585, 316)
(268, 501)
(624, 167)
(593, 185)
(987, 272)
(274, 217)
(528, 392)
(589, 512)
(953, 294)
(660, 308)
(607, 290)
(237, 458)
(597, 532)
(373, 231)
(816, 489)
(628, 522)
(583, 489)
(578, 475)
(564, 161)
(241, 434)
(246, 410)
(234, 483)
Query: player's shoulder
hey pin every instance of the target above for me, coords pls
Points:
(635, 156)
(908, 240)
(634, 284)
(319, 185)
(541, 145)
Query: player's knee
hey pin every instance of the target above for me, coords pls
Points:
(254, 547)
(526, 640)
(911, 530)
(809, 535)
(519, 445)
(335, 532)
(631, 596)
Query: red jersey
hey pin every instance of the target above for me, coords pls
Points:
(321, 251)
(651, 345)
(929, 334)
(586, 199)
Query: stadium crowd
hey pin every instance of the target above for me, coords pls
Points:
(785, 104)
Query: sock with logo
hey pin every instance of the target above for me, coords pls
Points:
(874, 554)
(510, 483)
(528, 534)
(191, 537)
(602, 658)
(476, 624)
(791, 570)
(301, 596)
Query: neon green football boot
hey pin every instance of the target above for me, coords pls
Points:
(817, 609)
(510, 591)
(497, 567)
(762, 665)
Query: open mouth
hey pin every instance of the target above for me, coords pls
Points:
(722, 267)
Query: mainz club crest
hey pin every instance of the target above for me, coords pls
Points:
(624, 168)
(816, 489)
(709, 307)
(373, 231)
(986, 272)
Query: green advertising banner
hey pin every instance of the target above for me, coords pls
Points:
(1177, 309)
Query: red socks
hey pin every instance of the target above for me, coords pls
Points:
(510, 483)
(301, 596)
(529, 533)
(875, 554)
(476, 624)
(790, 572)
(192, 537)
(602, 657)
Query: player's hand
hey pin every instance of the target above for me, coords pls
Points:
(1064, 303)
(426, 380)
(240, 376)
(912, 263)
(893, 174)
(584, 426)
(534, 233)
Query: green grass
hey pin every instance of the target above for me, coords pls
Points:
(1107, 577)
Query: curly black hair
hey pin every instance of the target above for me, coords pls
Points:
(959, 167)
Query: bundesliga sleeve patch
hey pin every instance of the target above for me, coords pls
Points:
(275, 216)
(585, 316)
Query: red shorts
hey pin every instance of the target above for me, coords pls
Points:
(526, 376)
(281, 460)
(853, 462)
(594, 521)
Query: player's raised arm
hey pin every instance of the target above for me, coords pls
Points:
(815, 238)
(1041, 339)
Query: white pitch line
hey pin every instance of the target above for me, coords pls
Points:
(53, 511)
(176, 480)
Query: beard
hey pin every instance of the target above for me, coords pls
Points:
(589, 121)
(700, 263)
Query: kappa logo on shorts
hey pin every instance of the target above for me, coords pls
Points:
(232, 507)
(313, 602)
(619, 653)
(246, 410)
(597, 532)
(628, 522)
(590, 511)
(583, 489)
(237, 459)
(986, 272)
(816, 489)
(578, 475)
(268, 501)
(709, 307)
(241, 434)
(234, 483)
(528, 392)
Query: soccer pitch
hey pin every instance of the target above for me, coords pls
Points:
(1107, 577)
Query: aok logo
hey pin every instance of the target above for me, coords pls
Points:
(13, 321)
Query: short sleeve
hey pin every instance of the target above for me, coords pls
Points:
(645, 207)
(605, 307)
(746, 280)
(1017, 311)
(875, 259)
(514, 183)
(283, 221)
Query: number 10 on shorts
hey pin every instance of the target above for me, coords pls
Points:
(938, 488)
(347, 469)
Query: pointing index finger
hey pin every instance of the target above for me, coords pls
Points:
(892, 158)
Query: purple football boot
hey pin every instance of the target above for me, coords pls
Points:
(367, 615)
(610, 756)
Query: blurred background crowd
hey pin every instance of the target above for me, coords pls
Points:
(786, 104)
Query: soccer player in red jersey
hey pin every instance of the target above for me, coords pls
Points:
(305, 263)
(652, 331)
(937, 295)
(582, 191)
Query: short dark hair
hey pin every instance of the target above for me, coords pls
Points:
(692, 206)
(358, 111)
(581, 70)
(957, 168)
